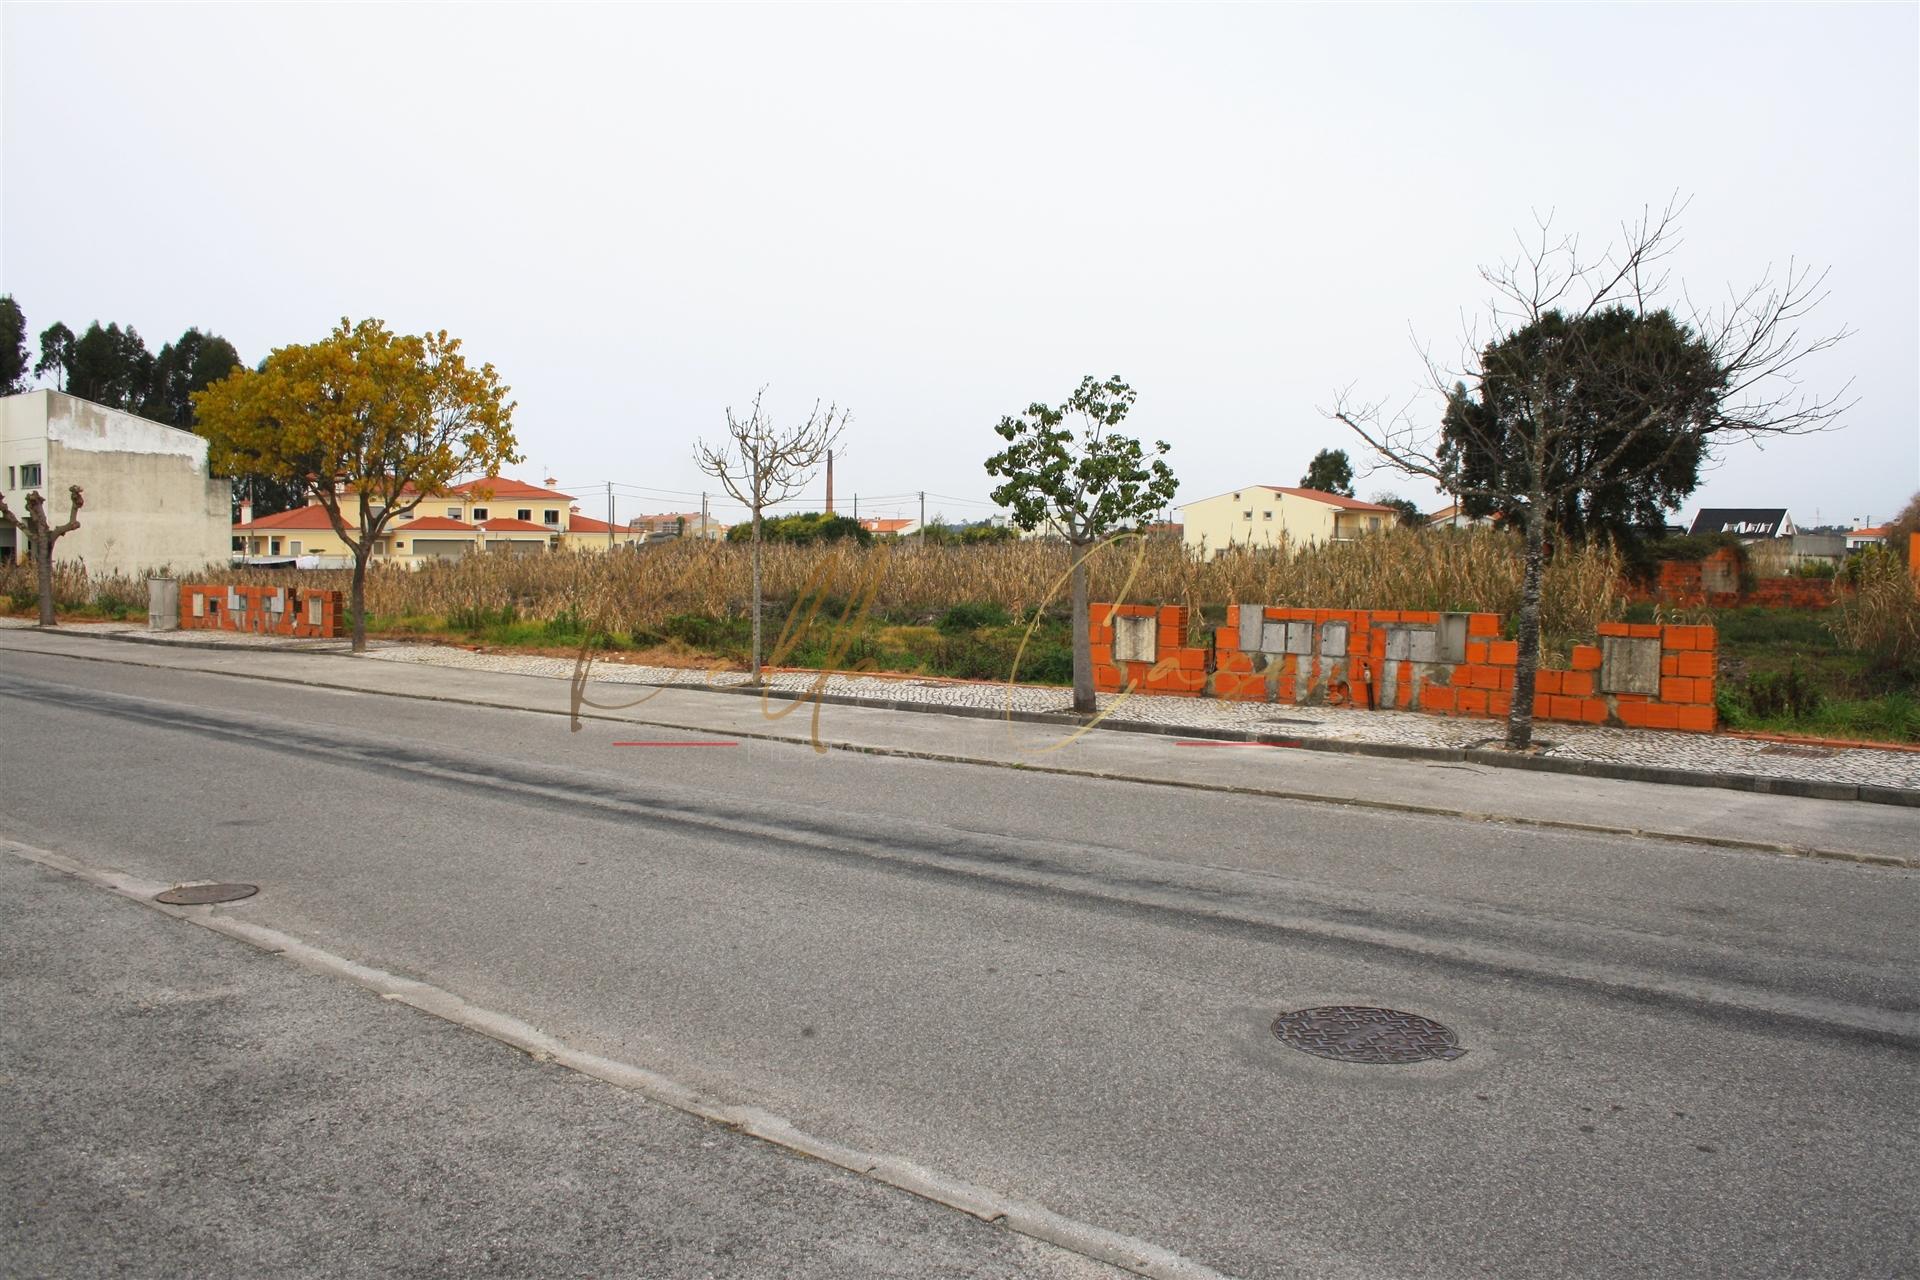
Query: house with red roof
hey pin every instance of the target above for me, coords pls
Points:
(1271, 515)
(492, 513)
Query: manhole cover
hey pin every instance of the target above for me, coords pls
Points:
(200, 895)
(1361, 1034)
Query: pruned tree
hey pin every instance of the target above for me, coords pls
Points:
(761, 465)
(1084, 480)
(368, 422)
(1331, 471)
(1583, 380)
(40, 535)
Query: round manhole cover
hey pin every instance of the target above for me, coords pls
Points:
(200, 895)
(1362, 1034)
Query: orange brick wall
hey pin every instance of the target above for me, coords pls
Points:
(256, 614)
(1181, 668)
(1481, 685)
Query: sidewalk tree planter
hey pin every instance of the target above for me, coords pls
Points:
(1085, 484)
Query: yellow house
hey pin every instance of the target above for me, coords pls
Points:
(493, 513)
(1266, 515)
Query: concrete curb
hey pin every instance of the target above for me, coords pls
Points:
(1129, 1253)
(1804, 788)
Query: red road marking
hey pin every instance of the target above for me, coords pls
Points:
(676, 744)
(1186, 743)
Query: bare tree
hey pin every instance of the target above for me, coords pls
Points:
(1589, 381)
(41, 536)
(761, 466)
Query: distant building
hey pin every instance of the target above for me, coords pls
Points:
(492, 513)
(1265, 515)
(1454, 516)
(1749, 524)
(1874, 536)
(150, 500)
(675, 524)
(890, 528)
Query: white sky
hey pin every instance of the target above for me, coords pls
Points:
(938, 215)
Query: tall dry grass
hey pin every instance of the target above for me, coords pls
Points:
(1466, 569)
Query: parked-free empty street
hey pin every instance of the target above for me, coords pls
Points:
(1051, 999)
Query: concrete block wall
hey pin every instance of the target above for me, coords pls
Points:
(279, 611)
(1640, 675)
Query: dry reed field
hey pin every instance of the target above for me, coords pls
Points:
(636, 589)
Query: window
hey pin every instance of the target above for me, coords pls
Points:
(552, 516)
(1246, 515)
(524, 513)
(479, 513)
(453, 513)
(30, 476)
(1373, 522)
(275, 548)
(10, 478)
(1266, 515)
(293, 548)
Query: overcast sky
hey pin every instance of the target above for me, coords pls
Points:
(936, 215)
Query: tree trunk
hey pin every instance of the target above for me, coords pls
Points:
(360, 554)
(41, 549)
(1082, 640)
(755, 678)
(1520, 716)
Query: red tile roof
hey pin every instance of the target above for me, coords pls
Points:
(586, 524)
(504, 525)
(434, 524)
(1331, 499)
(308, 517)
(504, 487)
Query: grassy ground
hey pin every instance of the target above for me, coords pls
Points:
(1784, 671)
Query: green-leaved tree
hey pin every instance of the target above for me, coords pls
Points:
(1590, 387)
(1066, 468)
(1329, 472)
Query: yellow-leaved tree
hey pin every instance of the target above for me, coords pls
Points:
(366, 422)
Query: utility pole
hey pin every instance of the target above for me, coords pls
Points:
(609, 515)
(703, 516)
(829, 482)
(856, 508)
(923, 517)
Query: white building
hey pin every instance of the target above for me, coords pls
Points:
(1265, 515)
(150, 502)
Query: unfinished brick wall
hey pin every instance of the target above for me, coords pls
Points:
(279, 611)
(1641, 675)
(1145, 646)
(1715, 581)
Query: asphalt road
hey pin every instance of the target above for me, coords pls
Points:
(1680, 1060)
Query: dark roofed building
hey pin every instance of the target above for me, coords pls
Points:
(1749, 524)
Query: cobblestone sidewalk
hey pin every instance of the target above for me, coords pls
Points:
(1690, 752)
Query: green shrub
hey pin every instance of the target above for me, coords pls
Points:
(1782, 695)
(965, 617)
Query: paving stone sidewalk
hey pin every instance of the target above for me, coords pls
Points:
(1653, 749)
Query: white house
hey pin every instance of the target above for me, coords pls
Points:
(150, 502)
(1266, 515)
